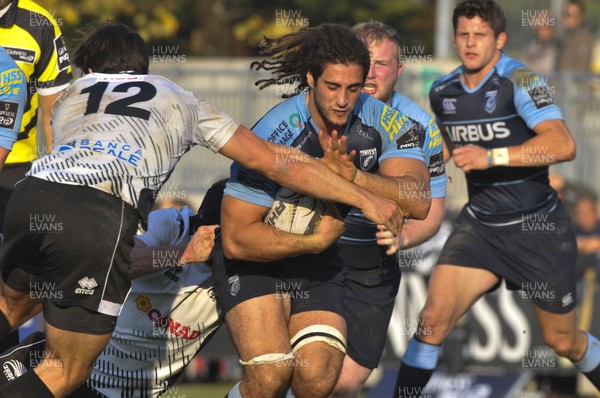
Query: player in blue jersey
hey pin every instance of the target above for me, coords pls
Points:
(370, 256)
(503, 129)
(13, 95)
(286, 318)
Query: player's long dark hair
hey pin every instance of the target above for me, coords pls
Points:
(487, 10)
(309, 50)
(111, 47)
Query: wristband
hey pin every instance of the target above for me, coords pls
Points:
(488, 153)
(500, 156)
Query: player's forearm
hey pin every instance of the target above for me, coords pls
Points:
(416, 232)
(553, 144)
(260, 242)
(145, 260)
(311, 177)
(411, 193)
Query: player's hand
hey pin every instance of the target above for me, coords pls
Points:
(386, 238)
(470, 157)
(200, 246)
(383, 211)
(335, 156)
(331, 227)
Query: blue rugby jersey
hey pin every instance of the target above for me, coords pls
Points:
(375, 130)
(359, 229)
(501, 111)
(13, 98)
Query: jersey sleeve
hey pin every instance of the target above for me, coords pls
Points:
(214, 127)
(534, 97)
(250, 186)
(13, 97)
(53, 70)
(399, 134)
(434, 157)
(165, 227)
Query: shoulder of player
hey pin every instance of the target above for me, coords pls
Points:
(292, 111)
(411, 109)
(173, 223)
(25, 18)
(514, 70)
(445, 81)
(169, 216)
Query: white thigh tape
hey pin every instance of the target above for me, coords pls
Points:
(324, 333)
(266, 359)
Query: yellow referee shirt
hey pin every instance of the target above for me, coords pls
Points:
(33, 39)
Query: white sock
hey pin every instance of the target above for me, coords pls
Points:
(290, 393)
(235, 391)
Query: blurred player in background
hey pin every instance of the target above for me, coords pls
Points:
(299, 300)
(32, 37)
(370, 256)
(115, 143)
(13, 97)
(503, 129)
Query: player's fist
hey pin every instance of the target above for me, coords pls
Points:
(470, 157)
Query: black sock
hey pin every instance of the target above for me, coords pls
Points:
(411, 381)
(4, 327)
(27, 386)
(594, 377)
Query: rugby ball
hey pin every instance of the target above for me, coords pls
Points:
(295, 213)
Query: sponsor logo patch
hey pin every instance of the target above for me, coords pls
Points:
(234, 285)
(8, 114)
(490, 101)
(62, 56)
(367, 158)
(540, 96)
(87, 286)
(436, 165)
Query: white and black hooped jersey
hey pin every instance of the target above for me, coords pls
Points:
(168, 316)
(124, 134)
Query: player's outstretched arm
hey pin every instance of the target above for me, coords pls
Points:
(403, 180)
(246, 237)
(553, 143)
(414, 232)
(304, 174)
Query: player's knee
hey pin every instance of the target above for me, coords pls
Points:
(316, 375)
(350, 382)
(268, 380)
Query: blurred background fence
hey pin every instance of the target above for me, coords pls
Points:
(230, 84)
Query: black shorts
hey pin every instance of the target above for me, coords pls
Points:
(314, 282)
(68, 246)
(536, 255)
(371, 288)
(9, 176)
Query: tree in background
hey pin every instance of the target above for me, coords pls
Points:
(235, 27)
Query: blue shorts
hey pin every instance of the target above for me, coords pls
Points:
(536, 255)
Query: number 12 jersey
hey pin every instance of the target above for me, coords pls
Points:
(124, 134)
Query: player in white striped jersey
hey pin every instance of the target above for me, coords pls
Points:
(169, 315)
(118, 133)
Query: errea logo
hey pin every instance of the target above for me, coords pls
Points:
(87, 286)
